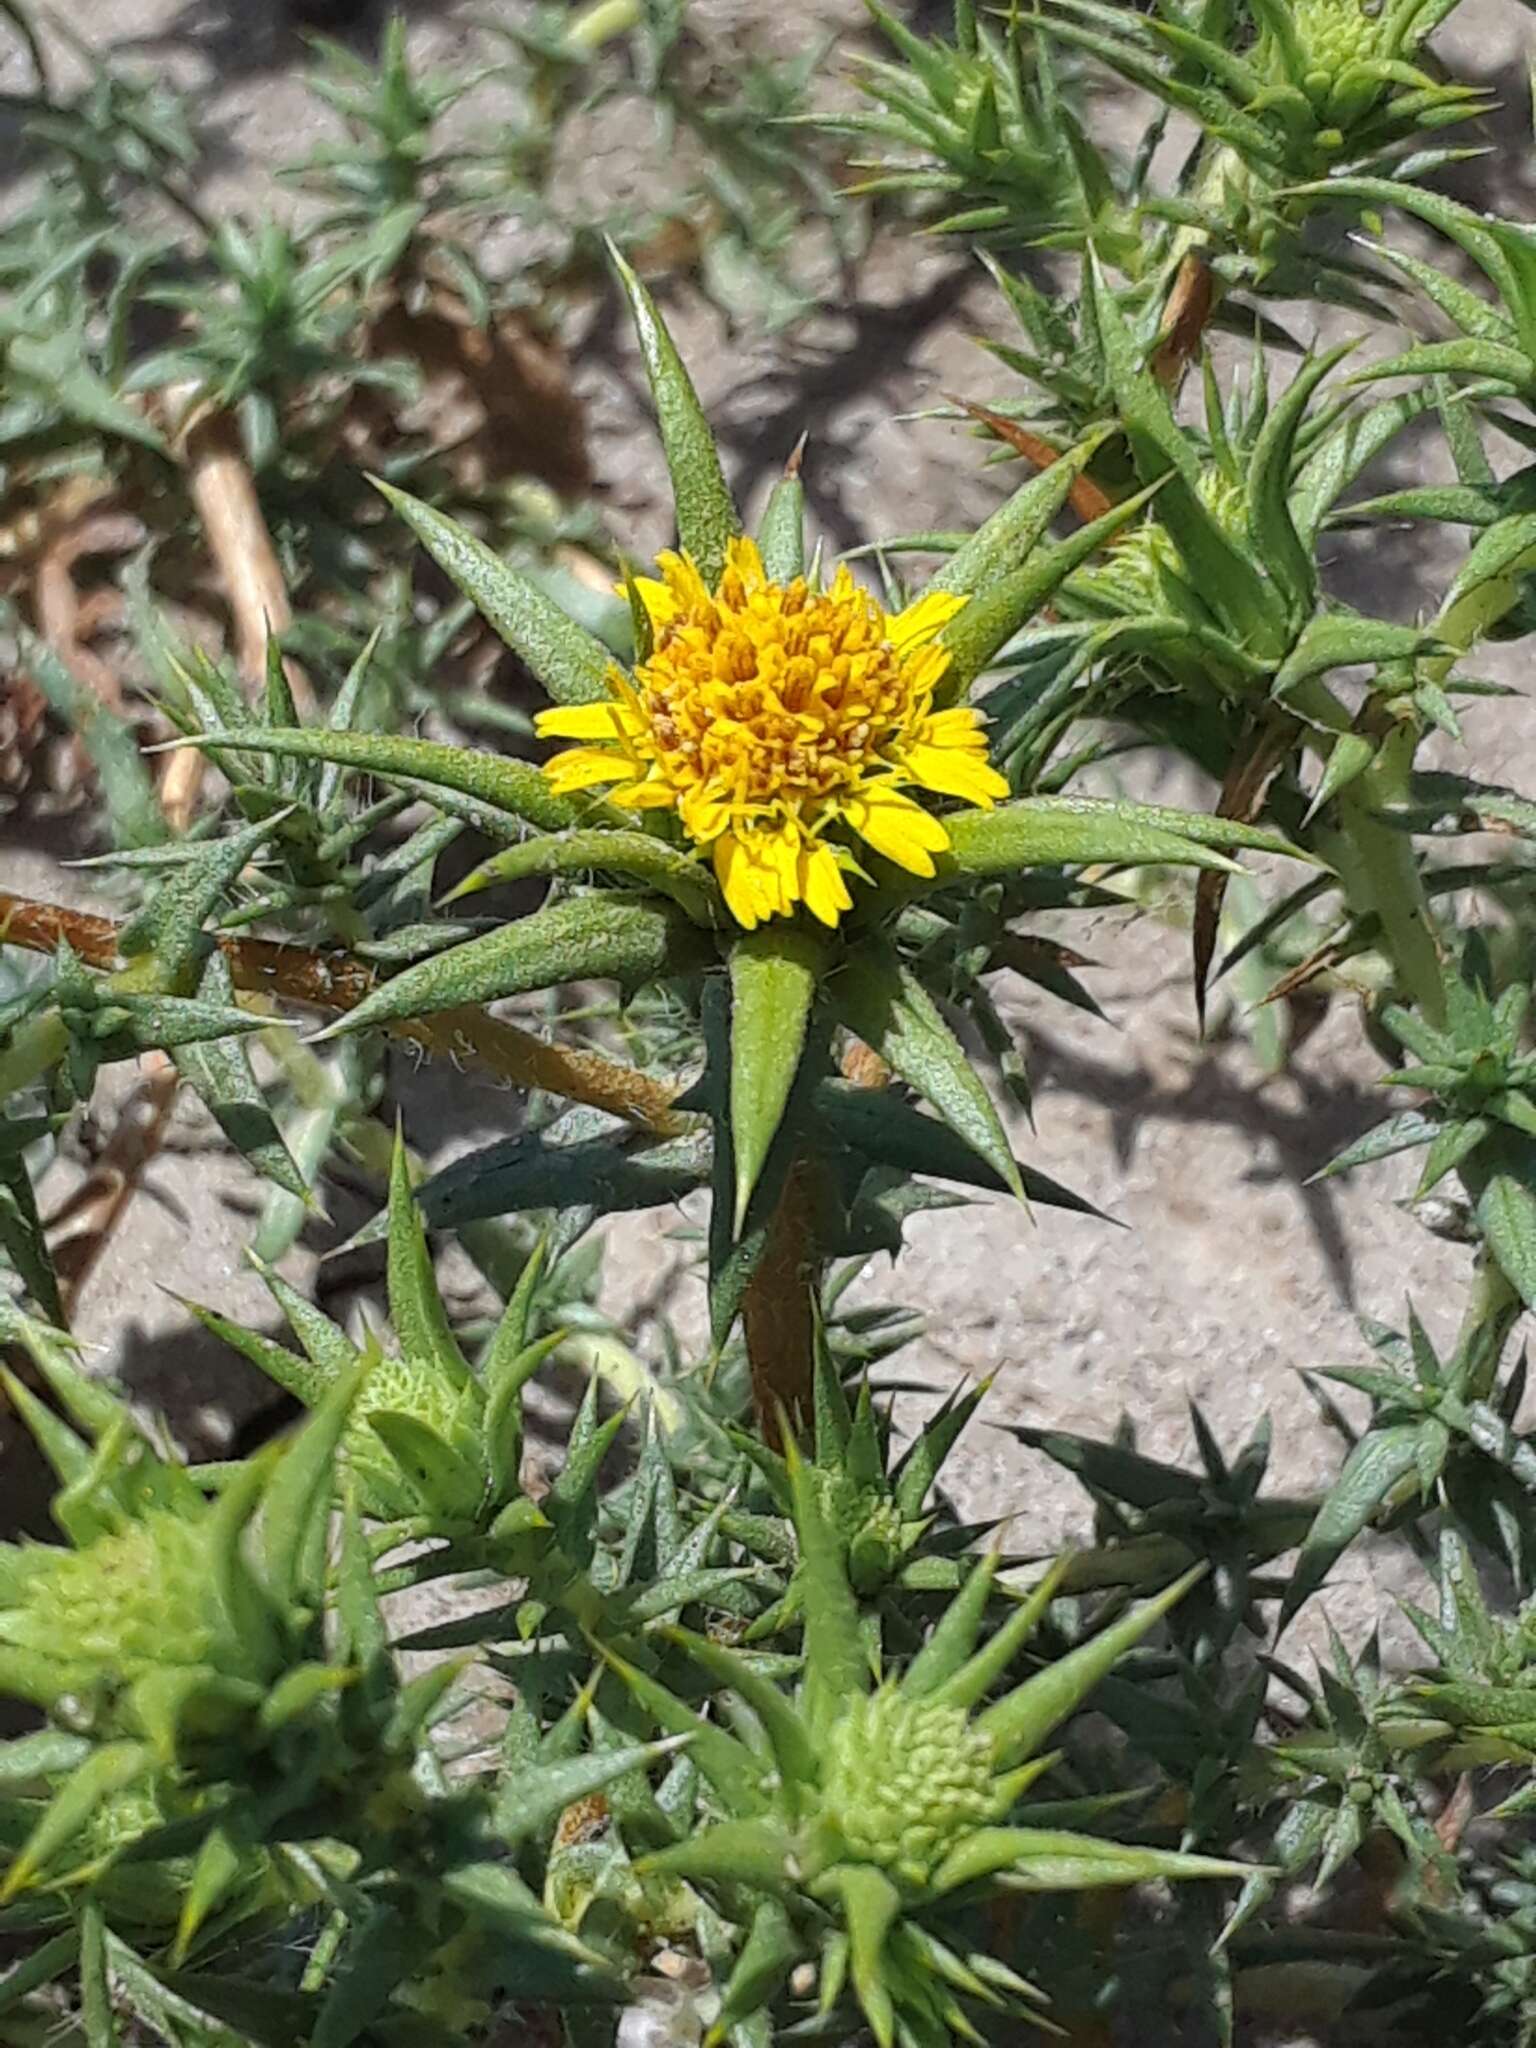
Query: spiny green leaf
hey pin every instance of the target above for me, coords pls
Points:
(1377, 1465)
(736, 1774)
(1164, 454)
(1349, 756)
(1398, 1134)
(1020, 1723)
(1051, 1860)
(107, 1771)
(1504, 1184)
(1000, 609)
(570, 662)
(757, 1853)
(775, 973)
(96, 2006)
(781, 532)
(1004, 541)
(1271, 524)
(836, 1665)
(298, 1494)
(532, 1800)
(69, 1455)
(415, 1302)
(298, 1376)
(21, 1230)
(953, 1639)
(601, 850)
(764, 1960)
(871, 1907)
(597, 937)
(885, 1004)
(444, 1481)
(1078, 831)
(537, 1171)
(707, 520)
(794, 1752)
(516, 787)
(1345, 640)
(219, 1071)
(970, 1681)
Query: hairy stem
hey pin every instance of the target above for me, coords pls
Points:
(1380, 872)
(339, 981)
(1376, 864)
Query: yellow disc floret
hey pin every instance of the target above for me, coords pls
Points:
(776, 719)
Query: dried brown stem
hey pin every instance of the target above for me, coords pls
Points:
(778, 1313)
(1242, 797)
(64, 618)
(339, 981)
(1190, 306)
(1087, 500)
(224, 492)
(863, 1066)
(777, 1308)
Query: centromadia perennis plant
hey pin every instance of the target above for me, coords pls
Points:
(784, 768)
(232, 1748)
(433, 1447)
(867, 1821)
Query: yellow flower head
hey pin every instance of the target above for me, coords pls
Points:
(775, 720)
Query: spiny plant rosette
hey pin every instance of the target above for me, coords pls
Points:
(766, 716)
(771, 740)
(864, 1818)
(242, 1820)
(232, 1748)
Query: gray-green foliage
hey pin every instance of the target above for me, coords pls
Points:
(736, 1693)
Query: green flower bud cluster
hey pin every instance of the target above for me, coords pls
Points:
(906, 1780)
(1333, 34)
(140, 1598)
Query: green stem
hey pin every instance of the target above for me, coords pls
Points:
(1380, 872)
(599, 24)
(39, 1043)
(1492, 1309)
(1375, 863)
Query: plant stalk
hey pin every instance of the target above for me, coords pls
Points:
(778, 1310)
(1380, 872)
(338, 981)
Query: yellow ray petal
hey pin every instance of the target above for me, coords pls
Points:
(822, 888)
(742, 555)
(956, 771)
(740, 881)
(651, 793)
(960, 726)
(585, 768)
(580, 722)
(661, 605)
(922, 620)
(923, 670)
(895, 826)
(683, 581)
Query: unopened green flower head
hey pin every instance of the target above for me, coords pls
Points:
(1334, 33)
(1131, 571)
(867, 1521)
(907, 1779)
(400, 1386)
(140, 1597)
